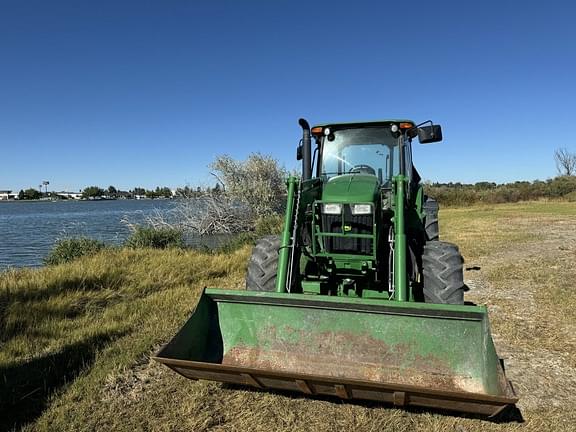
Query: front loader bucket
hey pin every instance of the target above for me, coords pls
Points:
(436, 356)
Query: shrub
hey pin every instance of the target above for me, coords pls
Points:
(259, 182)
(249, 191)
(156, 238)
(570, 197)
(66, 250)
(268, 225)
(457, 194)
(562, 185)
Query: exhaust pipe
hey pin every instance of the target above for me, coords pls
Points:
(306, 150)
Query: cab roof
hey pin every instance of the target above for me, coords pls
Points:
(371, 123)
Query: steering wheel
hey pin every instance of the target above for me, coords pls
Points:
(362, 169)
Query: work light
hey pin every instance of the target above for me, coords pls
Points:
(361, 209)
(332, 208)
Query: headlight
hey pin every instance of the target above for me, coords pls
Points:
(361, 209)
(332, 208)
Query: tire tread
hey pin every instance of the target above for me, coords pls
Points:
(442, 267)
(263, 265)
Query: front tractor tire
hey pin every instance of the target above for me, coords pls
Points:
(442, 268)
(263, 265)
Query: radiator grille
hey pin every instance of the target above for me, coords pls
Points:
(360, 224)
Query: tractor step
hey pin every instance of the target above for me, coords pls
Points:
(406, 354)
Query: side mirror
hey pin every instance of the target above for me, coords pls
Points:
(429, 134)
(299, 152)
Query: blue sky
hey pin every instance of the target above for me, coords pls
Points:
(146, 93)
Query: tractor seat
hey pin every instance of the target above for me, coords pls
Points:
(363, 169)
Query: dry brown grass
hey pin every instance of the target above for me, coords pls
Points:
(530, 285)
(521, 260)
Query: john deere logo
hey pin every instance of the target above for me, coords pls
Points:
(347, 228)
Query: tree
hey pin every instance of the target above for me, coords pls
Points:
(185, 192)
(166, 192)
(484, 185)
(565, 162)
(92, 192)
(112, 191)
(139, 191)
(29, 194)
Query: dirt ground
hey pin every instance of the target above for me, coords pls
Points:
(537, 341)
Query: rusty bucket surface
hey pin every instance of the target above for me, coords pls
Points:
(436, 356)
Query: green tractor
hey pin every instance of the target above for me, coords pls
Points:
(358, 298)
(362, 227)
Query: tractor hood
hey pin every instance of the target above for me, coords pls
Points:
(351, 188)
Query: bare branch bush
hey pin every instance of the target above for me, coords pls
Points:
(207, 215)
(251, 190)
(258, 182)
(565, 162)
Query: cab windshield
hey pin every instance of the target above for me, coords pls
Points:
(372, 151)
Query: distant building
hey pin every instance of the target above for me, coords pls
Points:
(6, 195)
(69, 195)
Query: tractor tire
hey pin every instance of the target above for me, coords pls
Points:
(442, 273)
(263, 265)
(431, 219)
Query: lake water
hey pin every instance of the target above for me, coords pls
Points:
(28, 230)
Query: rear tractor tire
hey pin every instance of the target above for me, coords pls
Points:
(431, 219)
(443, 276)
(263, 265)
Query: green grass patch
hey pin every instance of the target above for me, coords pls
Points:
(66, 250)
(80, 322)
(156, 238)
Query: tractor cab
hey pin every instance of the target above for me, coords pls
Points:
(347, 210)
(365, 149)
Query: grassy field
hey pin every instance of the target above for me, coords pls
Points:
(75, 339)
